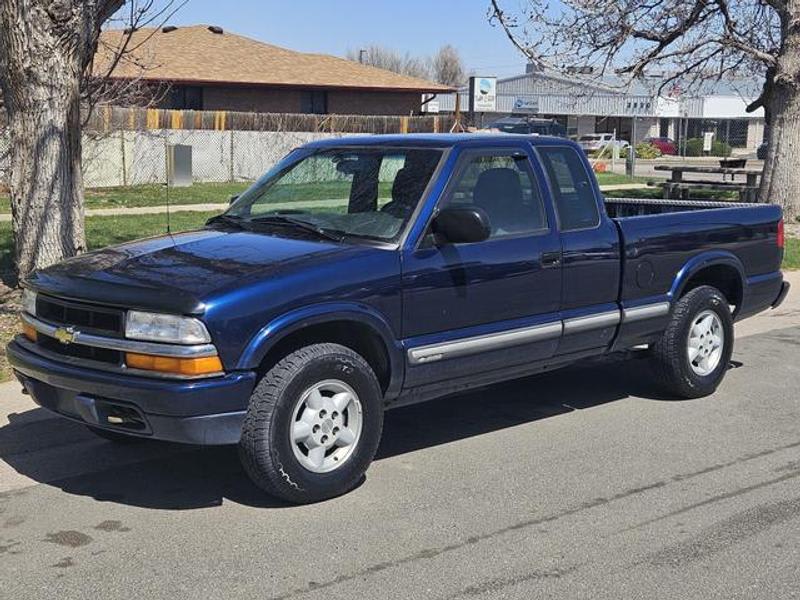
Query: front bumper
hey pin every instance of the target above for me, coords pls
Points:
(201, 411)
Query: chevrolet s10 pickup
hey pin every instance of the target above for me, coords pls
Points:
(366, 273)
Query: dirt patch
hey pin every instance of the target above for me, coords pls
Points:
(9, 326)
(112, 526)
(72, 539)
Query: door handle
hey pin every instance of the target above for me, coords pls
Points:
(550, 260)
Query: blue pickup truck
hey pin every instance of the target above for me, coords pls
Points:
(367, 273)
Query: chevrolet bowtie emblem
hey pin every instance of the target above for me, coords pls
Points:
(65, 335)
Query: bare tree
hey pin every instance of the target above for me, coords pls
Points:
(695, 43)
(447, 67)
(46, 52)
(121, 50)
(391, 60)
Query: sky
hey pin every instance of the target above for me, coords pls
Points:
(419, 27)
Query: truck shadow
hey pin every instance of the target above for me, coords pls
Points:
(59, 453)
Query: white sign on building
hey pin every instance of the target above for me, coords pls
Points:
(526, 106)
(483, 94)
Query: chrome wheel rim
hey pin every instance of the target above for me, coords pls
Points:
(706, 342)
(326, 426)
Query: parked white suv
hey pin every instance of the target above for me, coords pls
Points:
(597, 141)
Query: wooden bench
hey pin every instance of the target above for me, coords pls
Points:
(682, 189)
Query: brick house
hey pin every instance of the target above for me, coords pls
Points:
(206, 68)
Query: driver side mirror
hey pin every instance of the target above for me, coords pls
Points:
(461, 225)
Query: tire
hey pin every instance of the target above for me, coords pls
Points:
(113, 436)
(677, 374)
(285, 397)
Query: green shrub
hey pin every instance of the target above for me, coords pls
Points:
(694, 147)
(643, 150)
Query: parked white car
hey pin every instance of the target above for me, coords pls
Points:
(597, 141)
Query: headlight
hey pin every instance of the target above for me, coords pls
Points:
(29, 302)
(155, 327)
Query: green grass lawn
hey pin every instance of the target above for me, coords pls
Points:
(106, 231)
(220, 193)
(204, 193)
(791, 256)
(616, 179)
(153, 195)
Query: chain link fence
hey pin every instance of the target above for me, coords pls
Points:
(130, 158)
(125, 147)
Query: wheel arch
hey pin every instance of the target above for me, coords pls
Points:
(719, 269)
(358, 327)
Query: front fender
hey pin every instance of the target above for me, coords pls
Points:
(701, 261)
(286, 324)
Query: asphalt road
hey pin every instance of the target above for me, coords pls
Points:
(584, 483)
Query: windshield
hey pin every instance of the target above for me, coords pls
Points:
(361, 192)
(590, 138)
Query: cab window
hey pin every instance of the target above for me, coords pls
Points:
(572, 189)
(503, 186)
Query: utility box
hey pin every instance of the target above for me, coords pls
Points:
(630, 162)
(179, 165)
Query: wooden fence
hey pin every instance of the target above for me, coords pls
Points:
(111, 118)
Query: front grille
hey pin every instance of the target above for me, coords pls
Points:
(84, 317)
(112, 357)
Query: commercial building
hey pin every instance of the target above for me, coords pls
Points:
(207, 68)
(586, 104)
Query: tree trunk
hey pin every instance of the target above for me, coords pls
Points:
(46, 182)
(780, 183)
(45, 46)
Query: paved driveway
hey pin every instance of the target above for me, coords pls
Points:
(583, 483)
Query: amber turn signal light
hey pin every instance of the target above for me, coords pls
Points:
(29, 332)
(175, 366)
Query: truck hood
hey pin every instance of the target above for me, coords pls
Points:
(176, 273)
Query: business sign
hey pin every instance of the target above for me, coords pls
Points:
(483, 94)
(526, 106)
(431, 106)
(708, 141)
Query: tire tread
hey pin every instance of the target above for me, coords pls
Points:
(259, 460)
(668, 353)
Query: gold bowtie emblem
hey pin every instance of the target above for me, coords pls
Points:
(65, 335)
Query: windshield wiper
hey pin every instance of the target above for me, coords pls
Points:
(299, 224)
(227, 220)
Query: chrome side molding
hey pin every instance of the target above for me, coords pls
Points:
(596, 321)
(647, 311)
(535, 333)
(485, 343)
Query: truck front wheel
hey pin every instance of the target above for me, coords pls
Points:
(693, 354)
(313, 424)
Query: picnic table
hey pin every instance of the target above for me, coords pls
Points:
(679, 188)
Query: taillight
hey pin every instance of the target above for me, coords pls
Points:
(780, 234)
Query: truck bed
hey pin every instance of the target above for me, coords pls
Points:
(660, 238)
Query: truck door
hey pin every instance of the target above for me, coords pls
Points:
(470, 308)
(590, 249)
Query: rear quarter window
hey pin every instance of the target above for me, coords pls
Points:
(571, 186)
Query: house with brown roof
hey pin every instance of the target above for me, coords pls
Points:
(207, 68)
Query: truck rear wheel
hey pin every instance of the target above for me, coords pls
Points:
(693, 354)
(313, 424)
